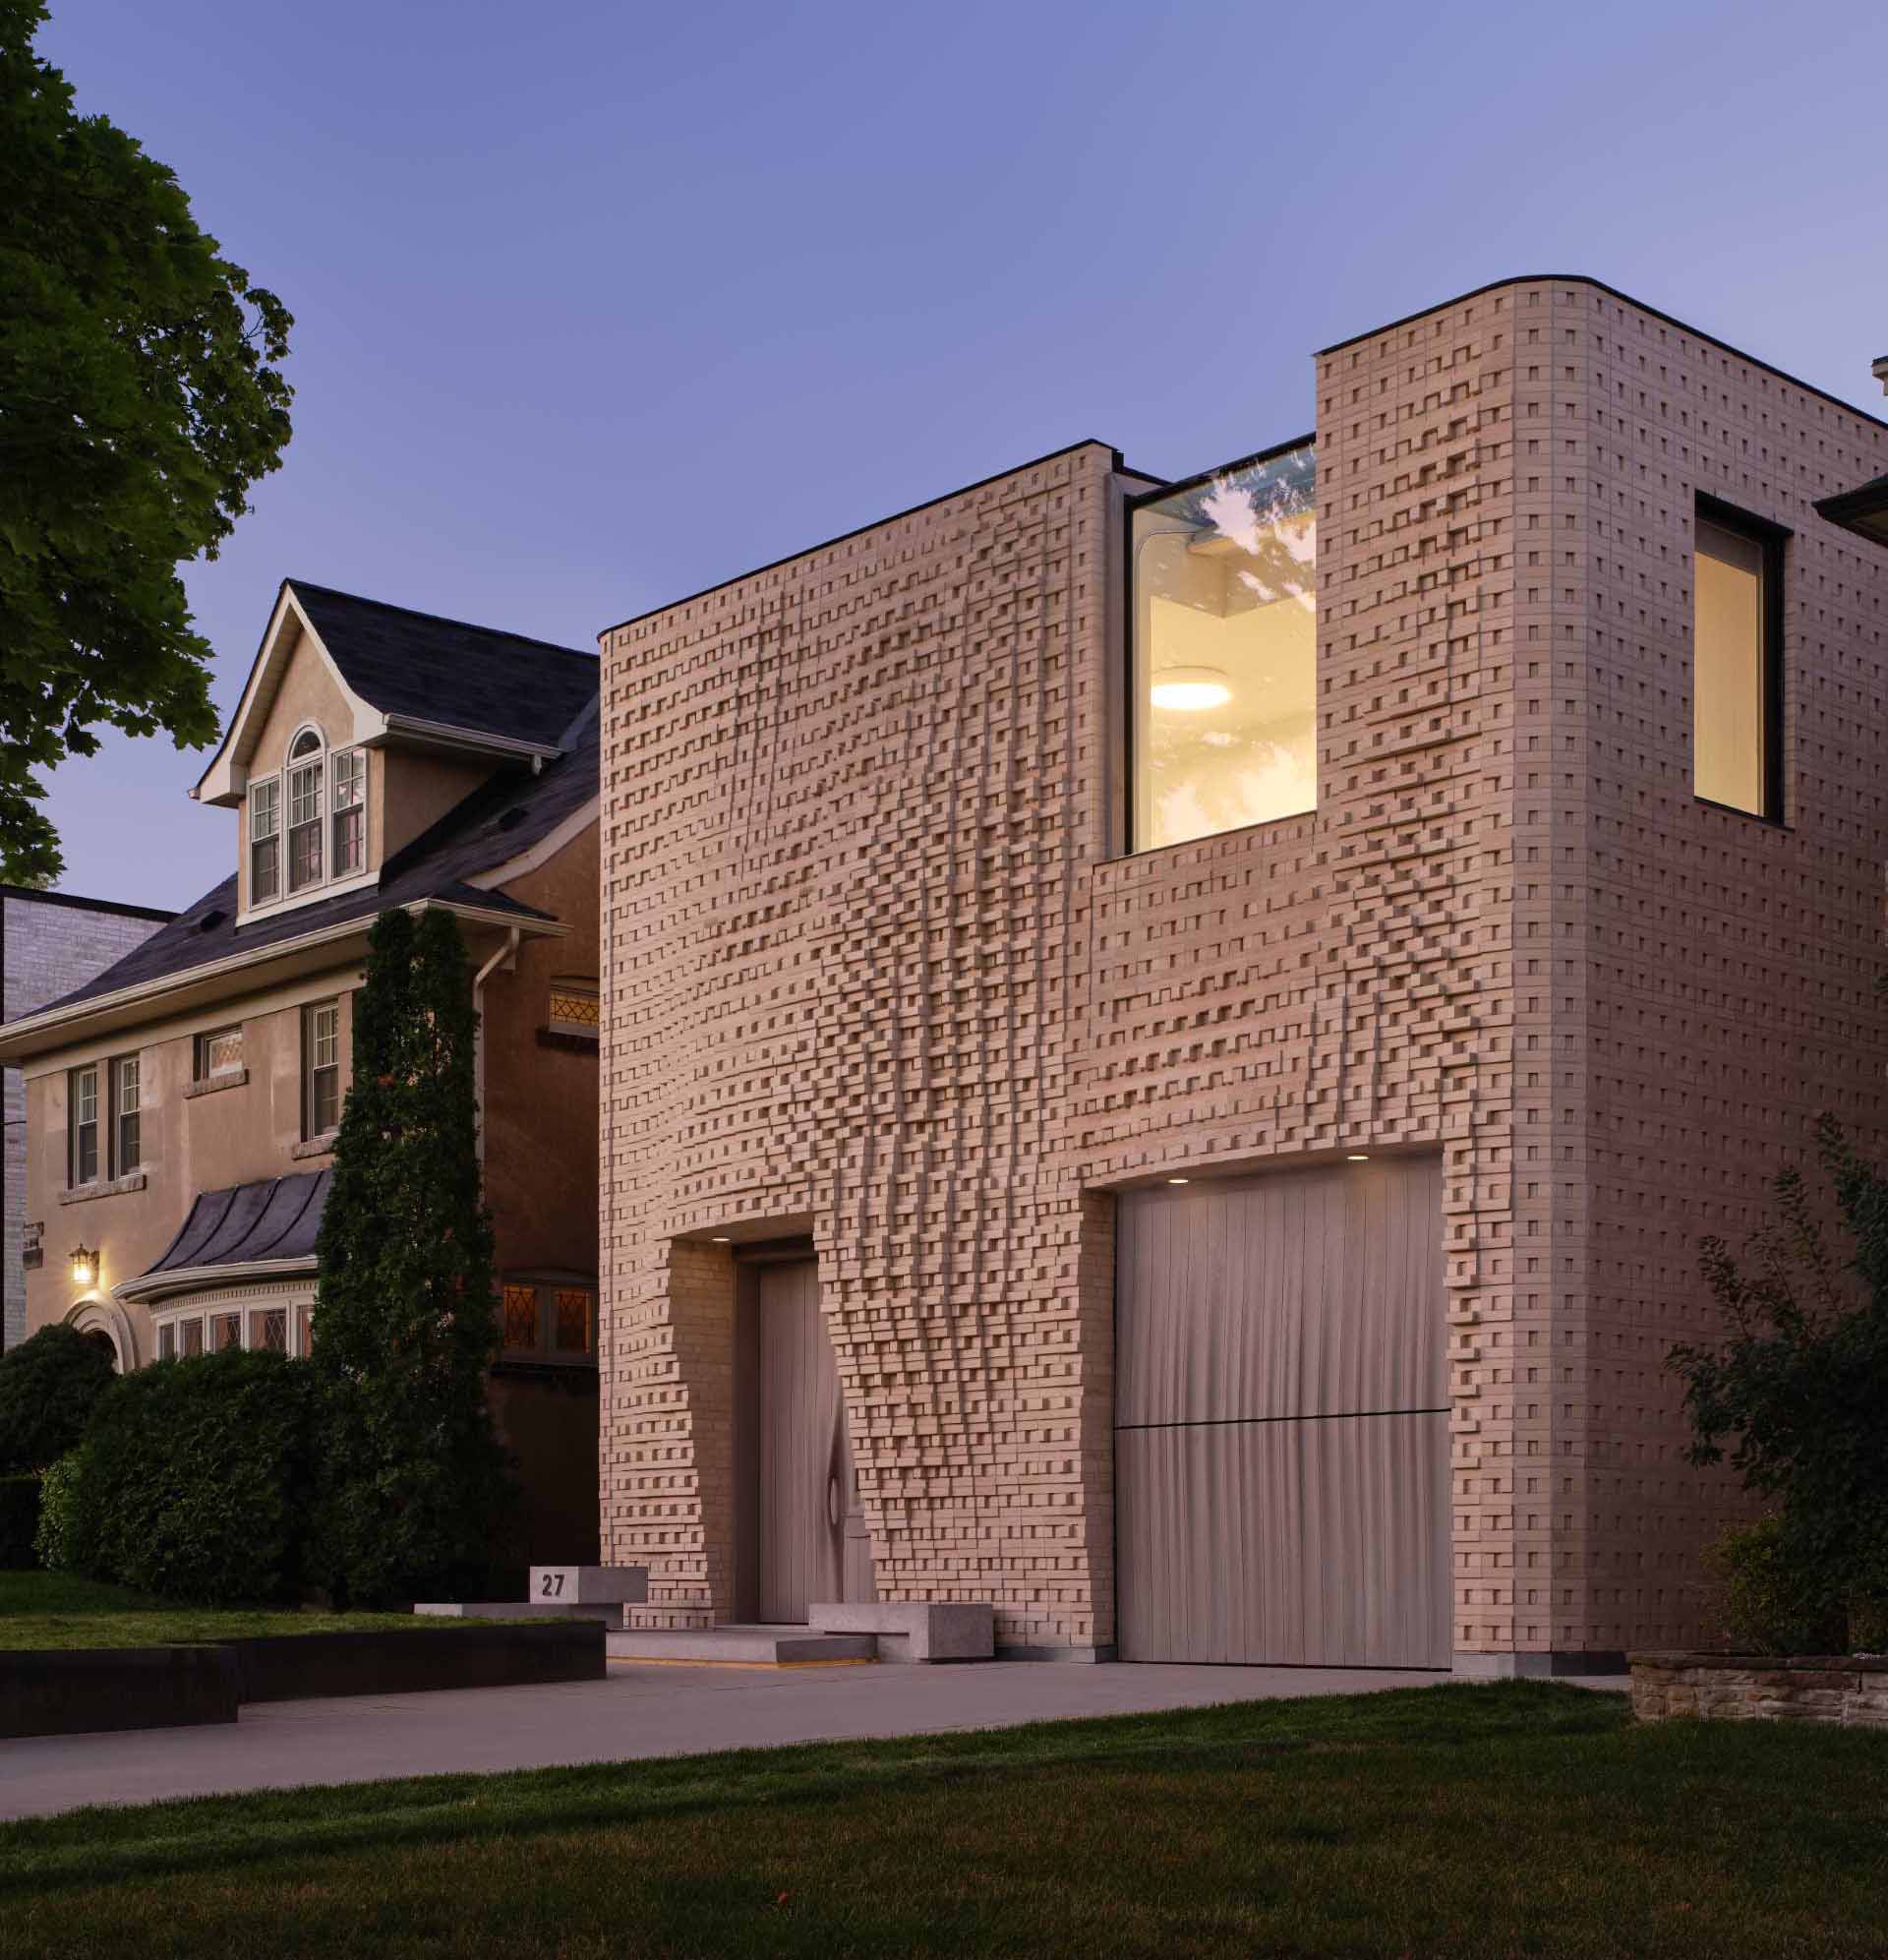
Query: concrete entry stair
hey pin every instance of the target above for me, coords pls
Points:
(915, 1629)
(742, 1647)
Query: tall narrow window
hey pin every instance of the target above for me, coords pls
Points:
(265, 840)
(1734, 693)
(127, 1135)
(1224, 627)
(81, 1119)
(321, 1067)
(350, 812)
(305, 813)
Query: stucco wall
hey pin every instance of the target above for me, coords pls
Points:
(48, 947)
(188, 1144)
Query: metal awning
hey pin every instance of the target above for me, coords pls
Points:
(246, 1231)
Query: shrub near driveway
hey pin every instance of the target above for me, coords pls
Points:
(1519, 1818)
(192, 1482)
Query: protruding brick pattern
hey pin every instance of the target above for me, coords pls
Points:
(847, 806)
(877, 971)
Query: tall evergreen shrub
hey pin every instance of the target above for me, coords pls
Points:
(415, 1491)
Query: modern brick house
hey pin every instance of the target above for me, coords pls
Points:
(181, 1103)
(50, 942)
(1168, 1047)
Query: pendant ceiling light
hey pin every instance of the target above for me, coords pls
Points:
(1190, 689)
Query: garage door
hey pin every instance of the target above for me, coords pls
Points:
(1281, 1429)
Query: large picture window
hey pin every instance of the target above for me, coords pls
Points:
(1736, 690)
(1224, 625)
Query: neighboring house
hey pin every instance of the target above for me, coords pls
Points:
(1864, 509)
(50, 942)
(182, 1105)
(1168, 1047)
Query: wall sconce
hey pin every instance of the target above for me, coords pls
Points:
(84, 1265)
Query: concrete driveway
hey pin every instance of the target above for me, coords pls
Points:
(638, 1712)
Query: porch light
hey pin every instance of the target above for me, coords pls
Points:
(84, 1265)
(1176, 1180)
(1358, 1156)
(1190, 689)
(721, 1239)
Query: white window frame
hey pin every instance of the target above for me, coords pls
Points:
(126, 1075)
(347, 775)
(199, 1068)
(312, 1013)
(82, 1091)
(266, 789)
(305, 787)
(296, 1309)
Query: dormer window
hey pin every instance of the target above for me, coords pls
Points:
(265, 840)
(350, 812)
(304, 772)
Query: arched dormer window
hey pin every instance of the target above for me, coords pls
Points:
(307, 770)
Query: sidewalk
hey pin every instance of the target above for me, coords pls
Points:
(638, 1712)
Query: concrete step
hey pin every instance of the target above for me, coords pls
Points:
(742, 1647)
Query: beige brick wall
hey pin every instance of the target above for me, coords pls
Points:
(874, 972)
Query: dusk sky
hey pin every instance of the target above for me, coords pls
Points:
(597, 305)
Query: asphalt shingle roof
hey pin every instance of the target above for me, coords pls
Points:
(443, 671)
(505, 816)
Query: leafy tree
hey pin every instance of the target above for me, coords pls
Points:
(49, 1386)
(1797, 1396)
(139, 400)
(415, 1489)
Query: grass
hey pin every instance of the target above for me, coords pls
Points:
(1525, 1819)
(53, 1609)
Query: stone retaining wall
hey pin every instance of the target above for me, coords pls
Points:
(1850, 1692)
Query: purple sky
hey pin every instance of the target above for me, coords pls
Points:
(597, 305)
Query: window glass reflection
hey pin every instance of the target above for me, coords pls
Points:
(1729, 735)
(1225, 652)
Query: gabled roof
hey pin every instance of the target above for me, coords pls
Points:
(446, 674)
(500, 820)
(455, 863)
(406, 676)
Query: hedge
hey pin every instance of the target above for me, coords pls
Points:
(194, 1482)
(19, 1522)
(49, 1386)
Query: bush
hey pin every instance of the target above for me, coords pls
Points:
(1795, 1398)
(49, 1386)
(19, 1522)
(194, 1482)
(1765, 1601)
(67, 1537)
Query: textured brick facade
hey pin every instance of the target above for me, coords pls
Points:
(876, 970)
(48, 946)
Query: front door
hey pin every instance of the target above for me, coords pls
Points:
(813, 1542)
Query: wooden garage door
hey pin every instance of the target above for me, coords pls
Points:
(1281, 1429)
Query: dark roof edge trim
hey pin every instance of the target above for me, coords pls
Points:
(1181, 485)
(1613, 292)
(859, 530)
(1864, 500)
(113, 906)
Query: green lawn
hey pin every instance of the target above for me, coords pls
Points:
(52, 1610)
(1521, 1819)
